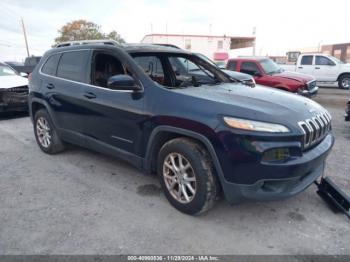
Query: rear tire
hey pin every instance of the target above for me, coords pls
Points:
(45, 133)
(186, 174)
(344, 81)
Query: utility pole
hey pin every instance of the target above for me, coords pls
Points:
(25, 36)
(254, 43)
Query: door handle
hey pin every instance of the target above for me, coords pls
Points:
(317, 68)
(300, 67)
(90, 95)
(50, 86)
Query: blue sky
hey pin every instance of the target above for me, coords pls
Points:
(281, 25)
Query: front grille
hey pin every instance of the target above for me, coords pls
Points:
(311, 84)
(315, 129)
(18, 89)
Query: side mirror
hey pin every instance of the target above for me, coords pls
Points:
(122, 82)
(23, 74)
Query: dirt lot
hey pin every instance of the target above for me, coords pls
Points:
(81, 202)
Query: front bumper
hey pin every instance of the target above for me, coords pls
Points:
(347, 112)
(13, 101)
(284, 179)
(309, 93)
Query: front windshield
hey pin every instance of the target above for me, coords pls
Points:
(6, 71)
(270, 67)
(206, 59)
(174, 70)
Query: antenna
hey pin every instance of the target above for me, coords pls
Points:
(25, 36)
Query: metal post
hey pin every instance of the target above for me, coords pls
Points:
(254, 43)
(25, 36)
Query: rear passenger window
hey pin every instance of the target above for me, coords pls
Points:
(50, 66)
(232, 65)
(306, 60)
(73, 65)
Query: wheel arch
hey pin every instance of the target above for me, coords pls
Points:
(36, 104)
(343, 74)
(162, 134)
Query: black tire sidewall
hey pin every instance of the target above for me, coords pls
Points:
(196, 159)
(340, 84)
(55, 141)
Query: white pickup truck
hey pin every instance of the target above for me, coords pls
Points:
(325, 68)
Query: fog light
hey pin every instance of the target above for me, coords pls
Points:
(277, 154)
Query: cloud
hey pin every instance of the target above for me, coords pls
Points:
(281, 25)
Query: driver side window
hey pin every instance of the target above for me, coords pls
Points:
(250, 68)
(152, 66)
(104, 67)
(321, 60)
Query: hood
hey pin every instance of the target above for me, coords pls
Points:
(302, 78)
(237, 75)
(347, 65)
(7, 82)
(258, 103)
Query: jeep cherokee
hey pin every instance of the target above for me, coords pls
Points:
(201, 131)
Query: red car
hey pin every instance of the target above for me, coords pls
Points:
(268, 73)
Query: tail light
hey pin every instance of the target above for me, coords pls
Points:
(30, 77)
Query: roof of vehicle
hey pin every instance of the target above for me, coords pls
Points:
(131, 48)
(152, 48)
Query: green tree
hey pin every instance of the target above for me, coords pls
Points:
(84, 30)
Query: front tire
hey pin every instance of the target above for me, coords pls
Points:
(344, 81)
(187, 176)
(45, 133)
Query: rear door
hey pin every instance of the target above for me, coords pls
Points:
(306, 65)
(325, 69)
(63, 90)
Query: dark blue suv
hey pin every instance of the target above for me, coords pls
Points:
(168, 111)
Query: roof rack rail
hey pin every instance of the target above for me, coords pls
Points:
(86, 42)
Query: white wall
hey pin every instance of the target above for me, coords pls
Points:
(205, 45)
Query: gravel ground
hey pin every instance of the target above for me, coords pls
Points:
(82, 202)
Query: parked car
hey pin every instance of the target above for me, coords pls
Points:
(27, 67)
(241, 77)
(347, 111)
(221, 64)
(268, 73)
(325, 68)
(200, 135)
(13, 90)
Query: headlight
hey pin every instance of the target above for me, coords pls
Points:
(255, 125)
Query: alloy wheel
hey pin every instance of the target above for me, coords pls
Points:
(346, 82)
(179, 178)
(43, 132)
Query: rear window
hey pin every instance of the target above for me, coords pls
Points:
(50, 66)
(306, 60)
(73, 65)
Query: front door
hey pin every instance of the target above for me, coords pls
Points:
(325, 69)
(112, 117)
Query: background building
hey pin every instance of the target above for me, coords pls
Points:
(218, 48)
(340, 51)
